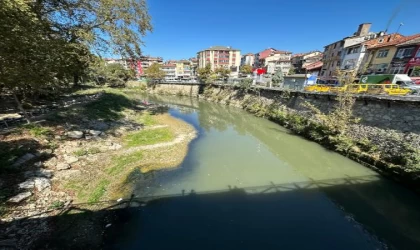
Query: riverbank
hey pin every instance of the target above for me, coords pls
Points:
(83, 154)
(390, 152)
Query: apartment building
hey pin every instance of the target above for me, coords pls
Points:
(259, 58)
(301, 60)
(247, 59)
(406, 58)
(170, 71)
(183, 69)
(335, 53)
(278, 60)
(220, 56)
(381, 51)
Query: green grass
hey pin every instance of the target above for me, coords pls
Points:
(120, 162)
(149, 137)
(99, 191)
(56, 204)
(37, 130)
(89, 151)
(146, 119)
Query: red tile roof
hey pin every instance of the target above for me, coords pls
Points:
(394, 39)
(411, 42)
(314, 65)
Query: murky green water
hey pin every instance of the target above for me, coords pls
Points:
(248, 183)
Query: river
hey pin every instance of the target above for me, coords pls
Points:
(248, 183)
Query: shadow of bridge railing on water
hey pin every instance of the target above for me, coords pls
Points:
(271, 216)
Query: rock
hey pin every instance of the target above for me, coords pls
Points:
(51, 162)
(28, 184)
(99, 126)
(95, 132)
(62, 166)
(42, 183)
(39, 173)
(20, 197)
(38, 164)
(48, 151)
(66, 174)
(23, 159)
(115, 146)
(70, 159)
(75, 134)
(57, 137)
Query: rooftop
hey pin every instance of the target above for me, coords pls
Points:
(412, 41)
(390, 40)
(314, 65)
(221, 48)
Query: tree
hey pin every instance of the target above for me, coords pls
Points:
(246, 69)
(154, 72)
(104, 25)
(223, 73)
(113, 74)
(416, 71)
(46, 44)
(292, 71)
(278, 78)
(204, 73)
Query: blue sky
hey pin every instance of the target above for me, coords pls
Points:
(184, 27)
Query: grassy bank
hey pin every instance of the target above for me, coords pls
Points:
(388, 152)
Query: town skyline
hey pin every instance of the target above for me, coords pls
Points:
(251, 27)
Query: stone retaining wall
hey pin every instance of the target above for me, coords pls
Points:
(175, 89)
(396, 113)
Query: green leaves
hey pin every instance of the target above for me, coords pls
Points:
(154, 72)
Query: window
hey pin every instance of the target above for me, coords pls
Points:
(335, 45)
(396, 70)
(353, 50)
(381, 40)
(338, 63)
(404, 52)
(418, 53)
(382, 53)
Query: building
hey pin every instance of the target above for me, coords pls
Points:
(301, 60)
(259, 58)
(406, 58)
(313, 69)
(220, 56)
(278, 60)
(183, 69)
(379, 53)
(335, 53)
(170, 71)
(247, 59)
(194, 66)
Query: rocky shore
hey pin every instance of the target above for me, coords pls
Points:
(77, 158)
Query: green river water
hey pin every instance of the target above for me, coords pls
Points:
(248, 183)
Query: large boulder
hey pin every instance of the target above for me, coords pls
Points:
(23, 159)
(41, 183)
(75, 134)
(20, 197)
(62, 166)
(28, 184)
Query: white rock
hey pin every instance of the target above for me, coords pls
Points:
(23, 159)
(42, 183)
(70, 159)
(115, 146)
(75, 134)
(38, 164)
(28, 184)
(95, 132)
(20, 197)
(62, 166)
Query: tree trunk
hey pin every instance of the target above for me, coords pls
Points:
(21, 108)
(75, 80)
